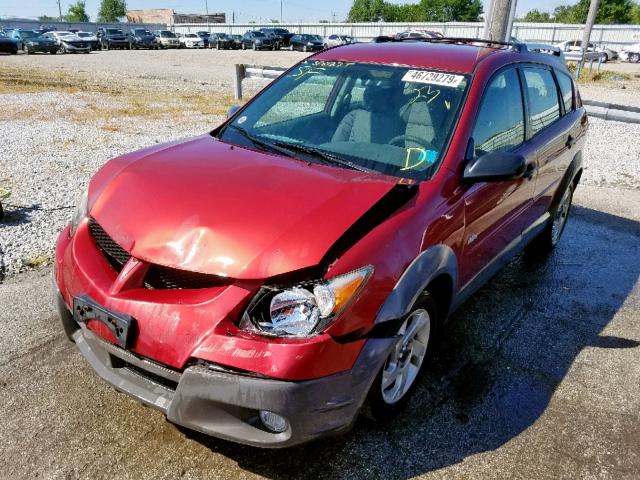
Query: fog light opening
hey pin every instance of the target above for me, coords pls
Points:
(274, 422)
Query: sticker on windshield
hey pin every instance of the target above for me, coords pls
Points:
(418, 157)
(433, 78)
(242, 119)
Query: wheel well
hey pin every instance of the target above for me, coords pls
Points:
(441, 288)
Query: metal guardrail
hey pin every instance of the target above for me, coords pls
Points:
(243, 72)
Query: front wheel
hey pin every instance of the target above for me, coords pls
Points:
(396, 381)
(634, 58)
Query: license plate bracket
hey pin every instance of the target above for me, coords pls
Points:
(122, 326)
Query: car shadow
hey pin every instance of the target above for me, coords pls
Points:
(18, 215)
(502, 356)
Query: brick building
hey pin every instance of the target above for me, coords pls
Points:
(169, 17)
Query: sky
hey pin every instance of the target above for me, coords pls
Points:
(245, 10)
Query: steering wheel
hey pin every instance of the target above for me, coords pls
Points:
(400, 139)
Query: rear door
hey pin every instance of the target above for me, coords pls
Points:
(553, 129)
(496, 212)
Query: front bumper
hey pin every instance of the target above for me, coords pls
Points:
(74, 48)
(42, 47)
(226, 404)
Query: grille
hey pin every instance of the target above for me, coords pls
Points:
(113, 252)
(157, 379)
(158, 277)
(164, 278)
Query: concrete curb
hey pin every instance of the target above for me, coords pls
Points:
(611, 111)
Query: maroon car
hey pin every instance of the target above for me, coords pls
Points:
(268, 281)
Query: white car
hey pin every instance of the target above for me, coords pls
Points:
(69, 42)
(337, 40)
(576, 46)
(191, 40)
(631, 53)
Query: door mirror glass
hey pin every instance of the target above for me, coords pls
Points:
(495, 167)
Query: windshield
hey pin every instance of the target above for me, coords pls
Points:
(114, 31)
(393, 120)
(28, 34)
(167, 35)
(141, 32)
(85, 34)
(258, 34)
(191, 35)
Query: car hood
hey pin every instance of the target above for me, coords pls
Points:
(40, 40)
(206, 206)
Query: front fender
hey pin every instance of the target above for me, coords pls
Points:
(430, 264)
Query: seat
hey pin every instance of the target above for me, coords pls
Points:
(375, 123)
(420, 131)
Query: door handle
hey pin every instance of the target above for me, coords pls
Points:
(570, 141)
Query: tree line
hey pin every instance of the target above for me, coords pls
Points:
(110, 11)
(609, 12)
(423, 11)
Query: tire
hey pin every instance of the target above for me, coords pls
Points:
(634, 57)
(255, 47)
(25, 49)
(305, 49)
(106, 46)
(547, 240)
(390, 393)
(244, 47)
(605, 57)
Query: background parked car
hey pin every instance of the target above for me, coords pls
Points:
(167, 39)
(91, 38)
(257, 41)
(221, 41)
(30, 41)
(418, 33)
(631, 53)
(281, 36)
(205, 36)
(306, 43)
(142, 38)
(111, 38)
(7, 45)
(69, 42)
(576, 46)
(337, 40)
(237, 41)
(190, 40)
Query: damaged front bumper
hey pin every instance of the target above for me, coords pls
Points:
(226, 404)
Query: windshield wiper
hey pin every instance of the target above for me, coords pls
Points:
(327, 157)
(261, 143)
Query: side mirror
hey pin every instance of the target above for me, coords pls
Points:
(232, 111)
(495, 167)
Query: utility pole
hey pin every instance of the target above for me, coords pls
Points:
(59, 11)
(497, 20)
(206, 7)
(586, 35)
(333, 17)
(280, 11)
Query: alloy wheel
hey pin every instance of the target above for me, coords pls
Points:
(560, 217)
(404, 362)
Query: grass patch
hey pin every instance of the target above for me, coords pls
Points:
(37, 261)
(117, 103)
(602, 76)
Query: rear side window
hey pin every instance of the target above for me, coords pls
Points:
(566, 90)
(542, 98)
(500, 121)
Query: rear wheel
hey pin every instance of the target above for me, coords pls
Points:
(546, 241)
(396, 381)
(634, 57)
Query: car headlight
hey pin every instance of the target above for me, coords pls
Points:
(304, 309)
(81, 211)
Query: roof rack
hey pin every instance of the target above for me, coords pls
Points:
(518, 47)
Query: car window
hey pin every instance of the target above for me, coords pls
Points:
(566, 90)
(542, 98)
(500, 121)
